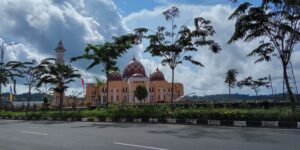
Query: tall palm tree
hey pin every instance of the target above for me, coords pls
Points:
(277, 24)
(57, 74)
(107, 54)
(174, 46)
(231, 79)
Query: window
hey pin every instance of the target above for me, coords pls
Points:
(117, 98)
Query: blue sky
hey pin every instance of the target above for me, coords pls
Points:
(39, 25)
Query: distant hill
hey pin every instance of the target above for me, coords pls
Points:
(23, 97)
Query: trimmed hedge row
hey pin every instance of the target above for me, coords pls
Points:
(162, 111)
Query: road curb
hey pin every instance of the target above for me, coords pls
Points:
(191, 121)
(171, 120)
(234, 123)
(240, 123)
(153, 120)
(214, 122)
(272, 124)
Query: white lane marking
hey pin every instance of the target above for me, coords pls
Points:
(139, 146)
(34, 133)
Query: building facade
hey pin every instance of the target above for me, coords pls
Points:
(121, 88)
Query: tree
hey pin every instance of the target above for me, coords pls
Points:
(107, 54)
(276, 24)
(141, 93)
(99, 84)
(231, 79)
(175, 46)
(8, 73)
(45, 103)
(57, 74)
(254, 84)
(30, 75)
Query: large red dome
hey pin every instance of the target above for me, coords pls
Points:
(157, 76)
(133, 67)
(114, 76)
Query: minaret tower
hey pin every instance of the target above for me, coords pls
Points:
(60, 50)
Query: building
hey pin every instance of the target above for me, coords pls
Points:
(121, 88)
(60, 50)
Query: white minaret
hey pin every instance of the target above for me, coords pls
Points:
(60, 52)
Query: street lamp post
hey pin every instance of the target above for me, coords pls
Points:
(3, 47)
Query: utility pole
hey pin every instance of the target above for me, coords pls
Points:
(3, 47)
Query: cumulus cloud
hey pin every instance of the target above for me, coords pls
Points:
(39, 25)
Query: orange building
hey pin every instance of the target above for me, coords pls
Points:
(121, 88)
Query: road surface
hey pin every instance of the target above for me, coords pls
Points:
(52, 135)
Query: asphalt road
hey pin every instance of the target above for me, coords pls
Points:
(44, 135)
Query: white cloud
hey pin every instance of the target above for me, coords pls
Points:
(39, 25)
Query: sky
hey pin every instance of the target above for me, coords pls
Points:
(38, 25)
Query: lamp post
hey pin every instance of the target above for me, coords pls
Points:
(3, 47)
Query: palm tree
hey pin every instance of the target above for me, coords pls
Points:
(174, 47)
(8, 73)
(57, 74)
(231, 79)
(277, 24)
(107, 54)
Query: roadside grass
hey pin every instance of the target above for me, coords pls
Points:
(162, 111)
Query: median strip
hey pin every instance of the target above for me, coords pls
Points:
(139, 146)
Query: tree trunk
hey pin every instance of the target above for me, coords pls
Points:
(27, 107)
(61, 103)
(107, 90)
(172, 96)
(230, 99)
(229, 89)
(290, 92)
(1, 102)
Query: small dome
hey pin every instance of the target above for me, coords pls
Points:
(114, 76)
(157, 76)
(133, 67)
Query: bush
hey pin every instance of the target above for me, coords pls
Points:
(162, 111)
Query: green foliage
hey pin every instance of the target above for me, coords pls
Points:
(162, 111)
(276, 23)
(177, 44)
(140, 92)
(57, 74)
(254, 84)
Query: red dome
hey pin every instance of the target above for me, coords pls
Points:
(157, 76)
(114, 76)
(133, 67)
